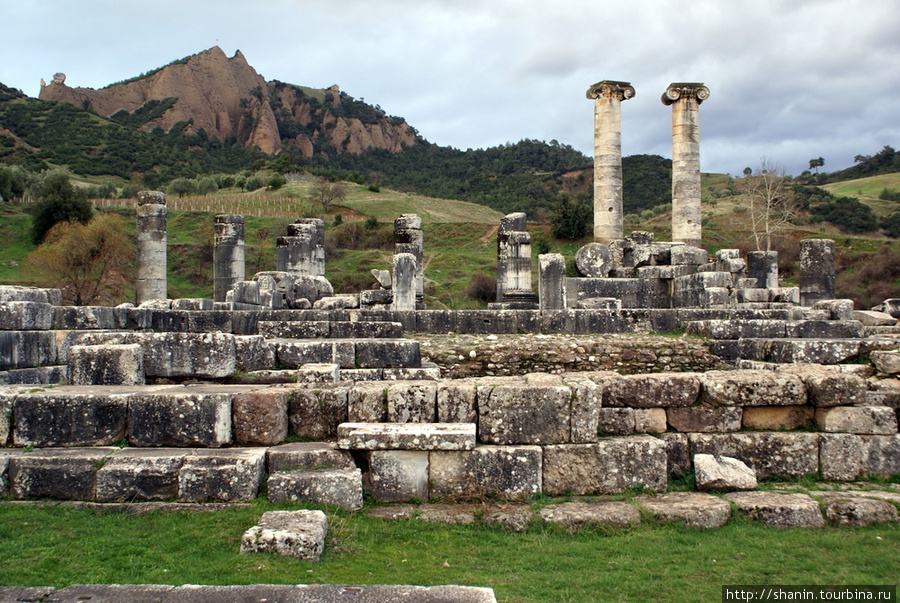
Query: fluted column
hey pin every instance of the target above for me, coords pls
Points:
(608, 213)
(685, 99)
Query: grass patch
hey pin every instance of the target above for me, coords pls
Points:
(59, 546)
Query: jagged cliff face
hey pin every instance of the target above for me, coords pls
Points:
(227, 98)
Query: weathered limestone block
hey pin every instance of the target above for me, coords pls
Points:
(339, 487)
(451, 514)
(423, 373)
(316, 413)
(388, 353)
(26, 349)
(180, 418)
(686, 255)
(253, 353)
(367, 403)
(357, 375)
(816, 270)
(881, 455)
(504, 471)
(202, 355)
(260, 418)
(308, 455)
(397, 475)
(779, 510)
(16, 293)
(594, 260)
(6, 404)
(751, 388)
(319, 373)
(230, 475)
(403, 283)
(864, 420)
(777, 418)
(612, 465)
(858, 512)
(824, 329)
(52, 473)
(785, 454)
(737, 328)
(678, 452)
(836, 309)
(297, 352)
(25, 316)
(140, 474)
(615, 421)
(337, 302)
(106, 365)
(649, 420)
(886, 361)
(366, 329)
(811, 351)
(406, 436)
(510, 517)
(841, 456)
(705, 419)
(523, 414)
(411, 402)
(693, 509)
(722, 474)
(296, 534)
(552, 281)
(828, 387)
(44, 375)
(576, 515)
(657, 390)
(456, 402)
(67, 417)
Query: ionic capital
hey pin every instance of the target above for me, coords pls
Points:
(611, 89)
(680, 90)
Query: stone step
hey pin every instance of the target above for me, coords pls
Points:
(330, 329)
(803, 350)
(776, 329)
(348, 353)
(406, 436)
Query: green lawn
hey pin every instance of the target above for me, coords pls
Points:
(867, 190)
(59, 546)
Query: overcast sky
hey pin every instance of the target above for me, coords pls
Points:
(790, 80)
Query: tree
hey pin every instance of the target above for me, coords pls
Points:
(326, 193)
(816, 164)
(59, 201)
(772, 203)
(182, 187)
(88, 262)
(571, 217)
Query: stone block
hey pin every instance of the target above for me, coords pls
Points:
(607, 514)
(297, 352)
(411, 402)
(316, 413)
(737, 328)
(308, 455)
(367, 403)
(777, 418)
(197, 355)
(66, 417)
(69, 339)
(835, 309)
(397, 475)
(180, 418)
(106, 365)
(587, 400)
(610, 466)
(6, 404)
(823, 329)
(687, 255)
(388, 353)
(253, 353)
(858, 512)
(140, 474)
(25, 316)
(357, 375)
(502, 471)
(827, 387)
(339, 487)
(751, 388)
(229, 475)
(53, 473)
(260, 418)
(366, 329)
(881, 455)
(722, 474)
(678, 452)
(513, 517)
(17, 293)
(778, 510)
(295, 534)
(811, 351)
(107, 593)
(26, 349)
(692, 509)
(657, 390)
(319, 373)
(872, 318)
(769, 454)
(863, 420)
(840, 456)
(406, 436)
(705, 419)
(456, 402)
(337, 302)
(44, 375)
(886, 361)
(295, 329)
(615, 421)
(423, 373)
(523, 414)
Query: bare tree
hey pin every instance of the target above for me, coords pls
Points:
(772, 203)
(326, 193)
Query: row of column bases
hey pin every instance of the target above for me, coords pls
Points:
(685, 99)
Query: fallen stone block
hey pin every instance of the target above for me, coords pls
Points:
(873, 318)
(406, 436)
(451, 514)
(339, 487)
(397, 475)
(705, 419)
(411, 402)
(456, 402)
(881, 455)
(722, 474)
(858, 512)
(253, 353)
(503, 471)
(777, 418)
(886, 361)
(607, 514)
(296, 534)
(25, 316)
(367, 403)
(751, 388)
(388, 353)
(841, 456)
(767, 453)
(26, 349)
(516, 518)
(260, 418)
(297, 352)
(610, 466)
(180, 418)
(140, 474)
(106, 365)
(779, 510)
(229, 475)
(316, 413)
(198, 355)
(692, 509)
(69, 417)
(389, 594)
(657, 390)
(863, 420)
(67, 474)
(308, 455)
(26, 594)
(524, 414)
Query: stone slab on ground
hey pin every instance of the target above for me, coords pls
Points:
(852, 511)
(575, 515)
(693, 509)
(406, 436)
(516, 518)
(110, 593)
(322, 593)
(340, 487)
(229, 475)
(25, 594)
(779, 510)
(722, 473)
(451, 514)
(297, 534)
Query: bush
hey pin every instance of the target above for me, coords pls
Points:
(571, 218)
(59, 202)
(482, 288)
(371, 223)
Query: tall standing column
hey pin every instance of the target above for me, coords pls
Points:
(408, 238)
(228, 260)
(151, 246)
(608, 213)
(685, 99)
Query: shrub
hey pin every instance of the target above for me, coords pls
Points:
(59, 202)
(571, 218)
(482, 288)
